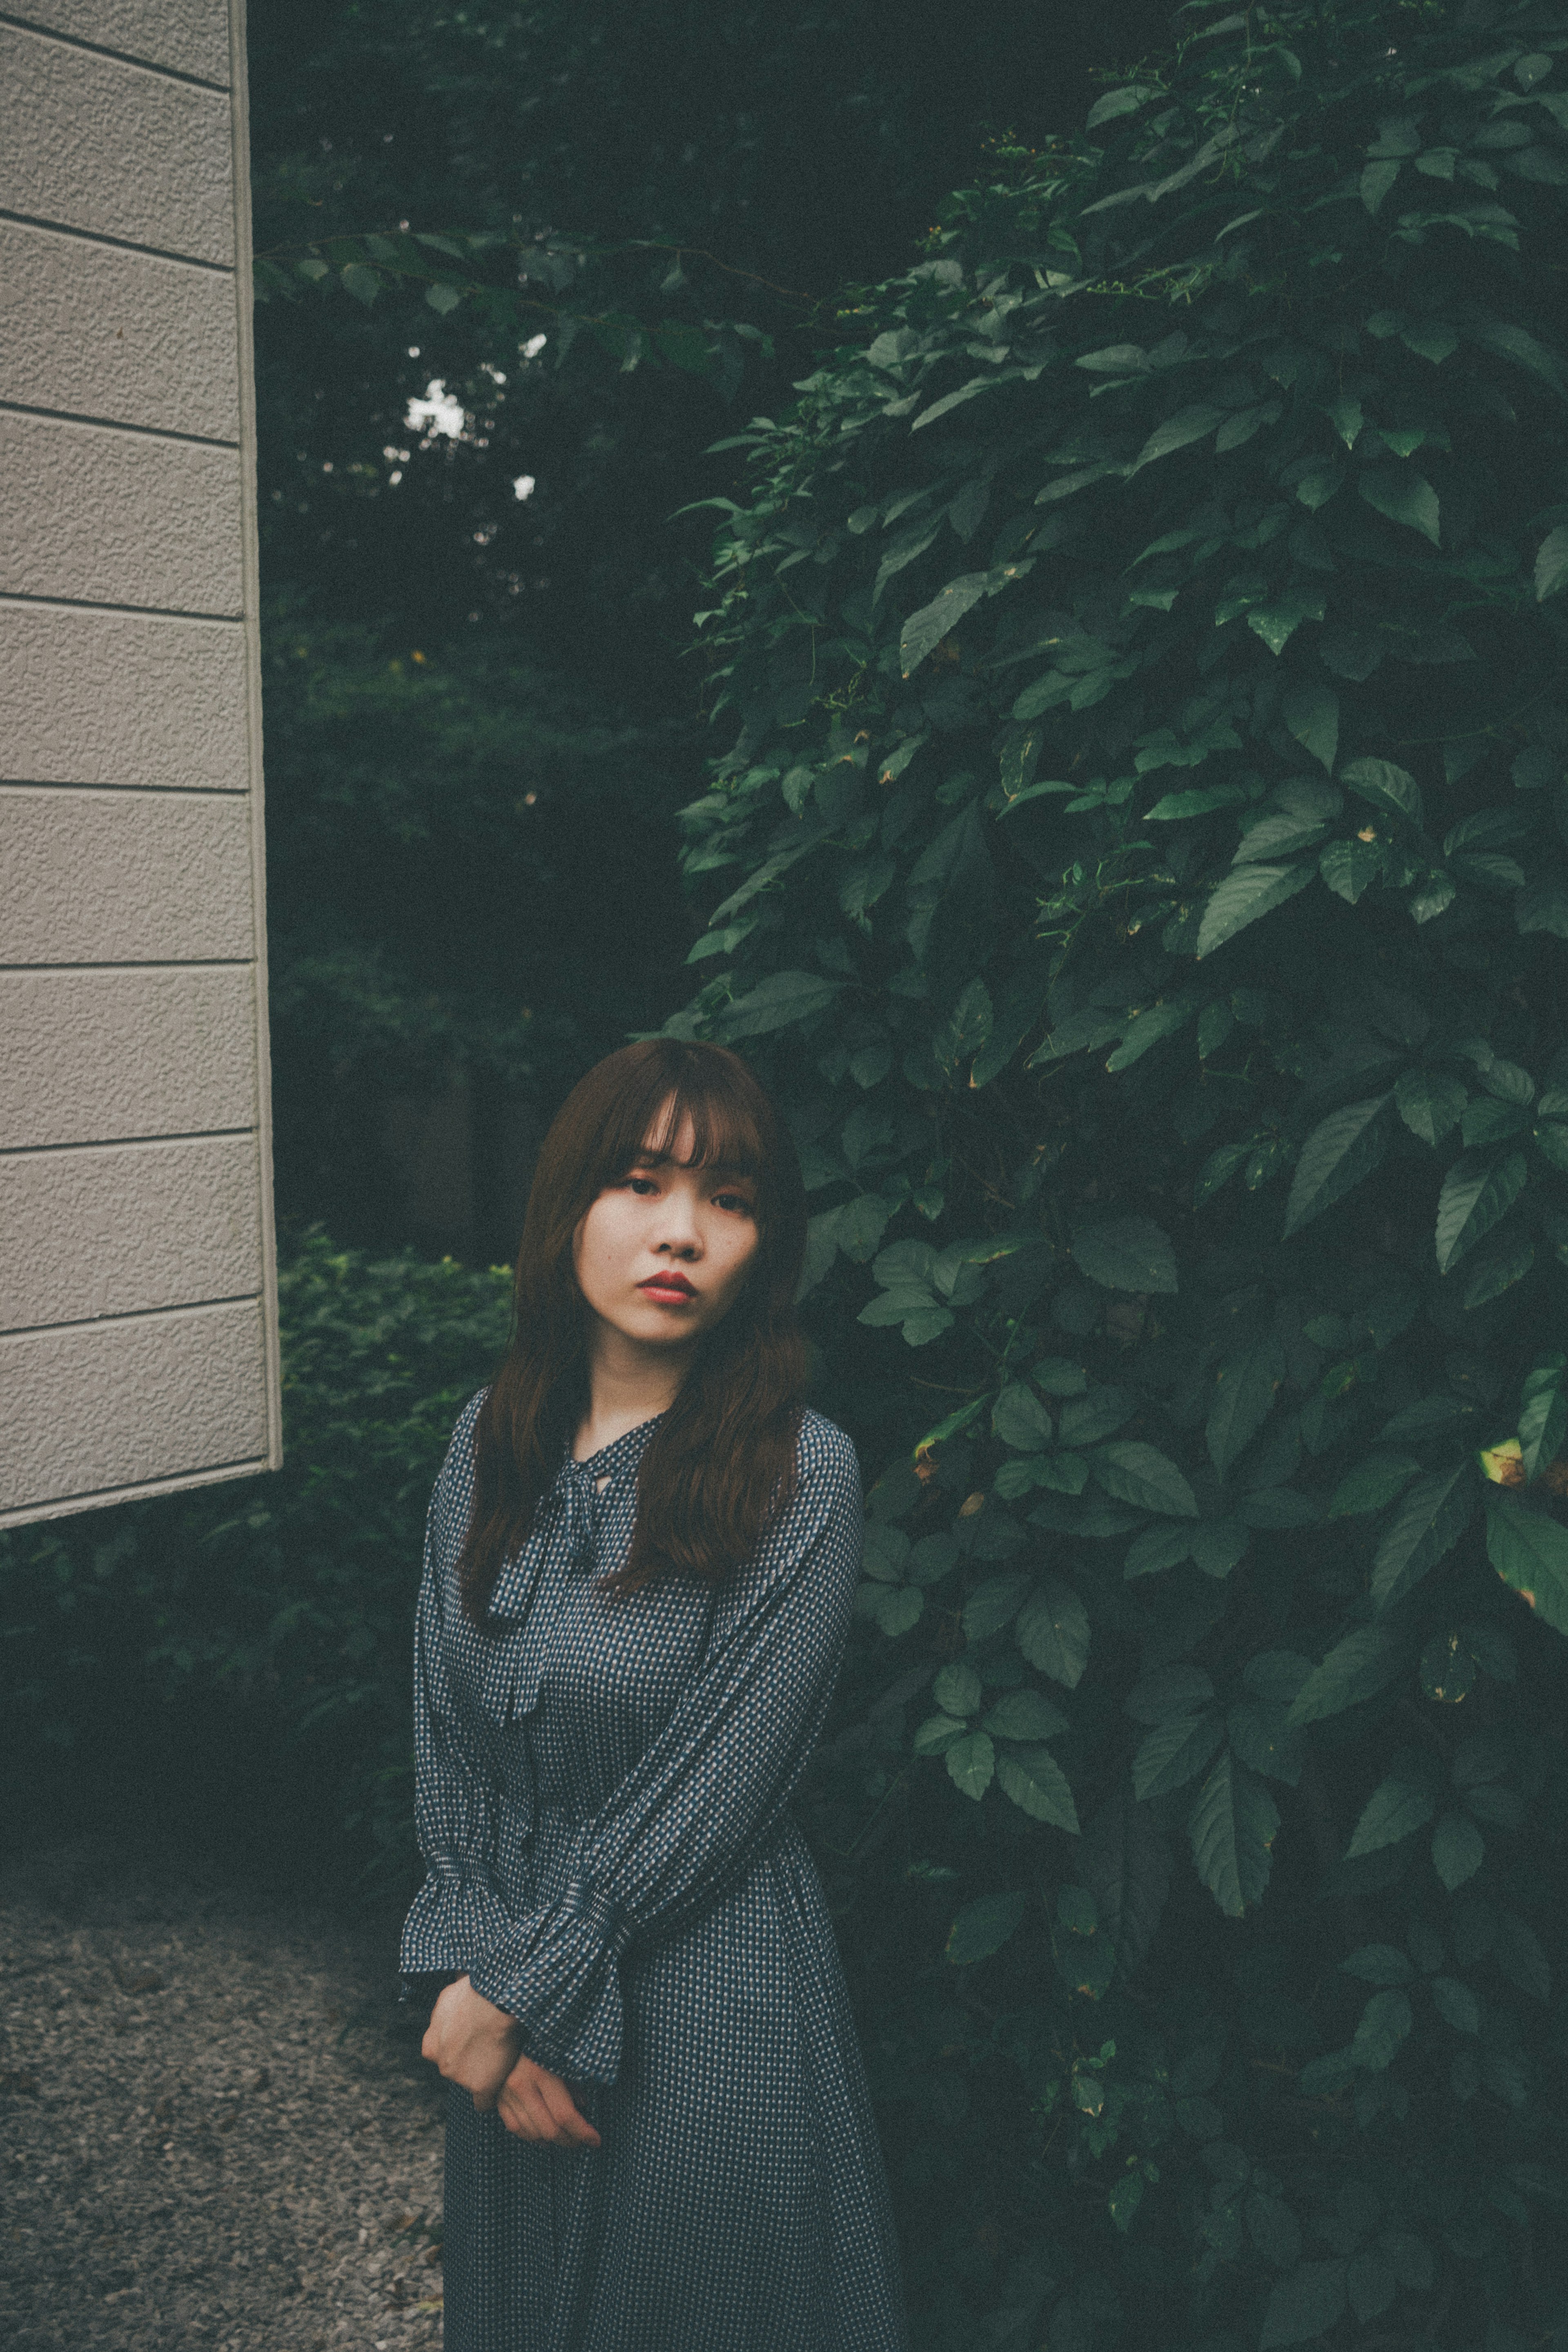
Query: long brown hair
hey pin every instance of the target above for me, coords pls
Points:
(720, 1464)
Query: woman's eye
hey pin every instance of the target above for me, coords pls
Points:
(733, 1200)
(640, 1185)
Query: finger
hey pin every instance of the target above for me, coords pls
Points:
(536, 2120)
(516, 2117)
(573, 2125)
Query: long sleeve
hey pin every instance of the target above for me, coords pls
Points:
(458, 1910)
(709, 1793)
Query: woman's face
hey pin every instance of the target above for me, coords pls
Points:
(663, 1253)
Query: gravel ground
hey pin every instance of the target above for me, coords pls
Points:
(216, 2129)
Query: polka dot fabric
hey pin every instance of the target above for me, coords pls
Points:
(602, 1801)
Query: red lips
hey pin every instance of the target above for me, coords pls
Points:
(672, 1282)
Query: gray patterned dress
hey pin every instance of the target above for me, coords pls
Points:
(601, 1801)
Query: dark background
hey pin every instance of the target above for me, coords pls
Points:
(482, 713)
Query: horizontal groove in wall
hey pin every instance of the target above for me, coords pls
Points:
(115, 792)
(132, 1315)
(55, 1506)
(120, 57)
(121, 1143)
(114, 424)
(154, 963)
(121, 243)
(136, 611)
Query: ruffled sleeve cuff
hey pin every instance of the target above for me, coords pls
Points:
(555, 1971)
(456, 1915)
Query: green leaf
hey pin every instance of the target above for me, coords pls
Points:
(1127, 1254)
(1375, 182)
(1126, 101)
(1426, 1525)
(1385, 2024)
(1455, 2004)
(1053, 1632)
(936, 1735)
(1355, 1669)
(1157, 1547)
(1372, 1484)
(1261, 1736)
(894, 1608)
(443, 297)
(1306, 2305)
(861, 1225)
(1349, 867)
(779, 1002)
(1219, 1545)
(1530, 1552)
(1388, 787)
(1311, 714)
(1036, 1782)
(1020, 1420)
(1148, 1028)
(1139, 1474)
(1543, 1414)
(971, 1764)
(1245, 1389)
(995, 1604)
(1188, 424)
(1276, 620)
(1243, 897)
(1552, 563)
(1518, 1955)
(983, 1927)
(957, 1689)
(1340, 1151)
(1459, 1850)
(1378, 1964)
(1430, 1101)
(965, 1030)
(1023, 1715)
(1174, 1753)
(1478, 1192)
(926, 629)
(1404, 496)
(1397, 1807)
(365, 284)
(1232, 1826)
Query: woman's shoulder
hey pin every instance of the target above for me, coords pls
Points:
(825, 1459)
(454, 1496)
(458, 1464)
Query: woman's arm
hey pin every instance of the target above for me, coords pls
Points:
(710, 1792)
(457, 1911)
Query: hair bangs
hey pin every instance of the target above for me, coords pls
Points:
(725, 1133)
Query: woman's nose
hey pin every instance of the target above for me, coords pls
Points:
(678, 1229)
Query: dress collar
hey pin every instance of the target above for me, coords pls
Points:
(621, 1453)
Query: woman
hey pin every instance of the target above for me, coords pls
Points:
(640, 1558)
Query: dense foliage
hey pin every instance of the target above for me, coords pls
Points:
(1141, 868)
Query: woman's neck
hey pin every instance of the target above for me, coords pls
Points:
(627, 1385)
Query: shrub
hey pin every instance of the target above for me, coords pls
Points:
(1141, 870)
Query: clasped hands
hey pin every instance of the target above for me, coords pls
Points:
(472, 2042)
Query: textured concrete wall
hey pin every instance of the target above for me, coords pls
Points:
(138, 1294)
